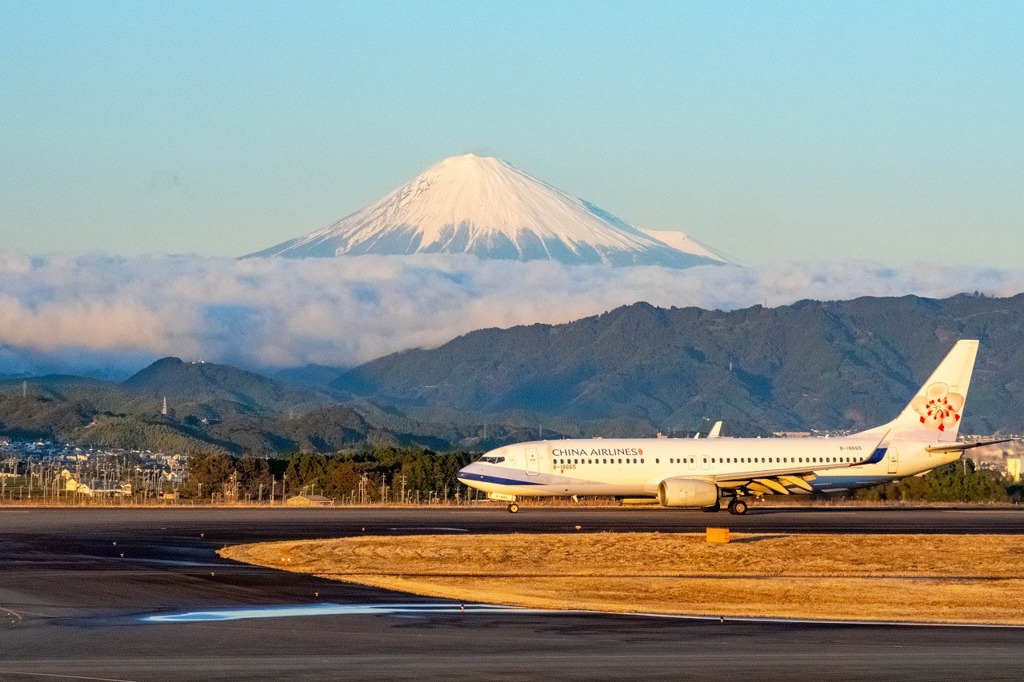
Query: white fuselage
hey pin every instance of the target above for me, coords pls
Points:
(636, 467)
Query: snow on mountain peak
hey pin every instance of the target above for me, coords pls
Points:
(487, 207)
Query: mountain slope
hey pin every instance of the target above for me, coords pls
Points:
(488, 208)
(200, 383)
(849, 364)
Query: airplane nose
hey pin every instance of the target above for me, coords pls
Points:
(470, 472)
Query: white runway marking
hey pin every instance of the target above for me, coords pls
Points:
(332, 610)
(55, 676)
(453, 530)
(329, 609)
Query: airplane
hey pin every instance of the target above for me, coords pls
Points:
(702, 473)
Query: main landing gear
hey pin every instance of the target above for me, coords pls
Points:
(737, 506)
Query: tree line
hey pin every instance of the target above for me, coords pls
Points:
(412, 474)
(383, 474)
(960, 481)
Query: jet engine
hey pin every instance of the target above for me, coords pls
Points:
(687, 492)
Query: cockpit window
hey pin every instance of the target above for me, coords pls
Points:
(492, 460)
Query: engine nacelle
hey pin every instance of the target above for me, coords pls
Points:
(687, 492)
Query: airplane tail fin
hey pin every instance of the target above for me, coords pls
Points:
(934, 413)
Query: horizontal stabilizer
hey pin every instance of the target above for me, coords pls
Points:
(957, 447)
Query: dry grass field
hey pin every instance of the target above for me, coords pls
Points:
(928, 578)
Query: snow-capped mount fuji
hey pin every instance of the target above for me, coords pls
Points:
(486, 207)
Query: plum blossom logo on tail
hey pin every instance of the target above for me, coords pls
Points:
(938, 407)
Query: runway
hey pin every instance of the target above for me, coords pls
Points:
(71, 607)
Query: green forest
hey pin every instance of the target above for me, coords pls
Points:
(386, 474)
(954, 482)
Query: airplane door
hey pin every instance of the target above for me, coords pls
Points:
(532, 462)
(894, 459)
(692, 463)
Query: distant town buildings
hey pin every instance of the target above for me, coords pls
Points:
(43, 468)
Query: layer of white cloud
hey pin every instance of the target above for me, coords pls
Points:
(65, 312)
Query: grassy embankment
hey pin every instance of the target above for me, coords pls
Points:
(929, 578)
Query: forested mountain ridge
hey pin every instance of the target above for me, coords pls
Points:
(825, 365)
(630, 372)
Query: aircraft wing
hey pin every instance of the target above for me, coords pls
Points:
(786, 482)
(789, 481)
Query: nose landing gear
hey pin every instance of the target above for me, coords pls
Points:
(512, 507)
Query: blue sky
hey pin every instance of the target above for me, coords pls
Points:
(884, 131)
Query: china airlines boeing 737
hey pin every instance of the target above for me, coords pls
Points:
(700, 473)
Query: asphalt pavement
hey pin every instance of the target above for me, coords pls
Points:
(140, 594)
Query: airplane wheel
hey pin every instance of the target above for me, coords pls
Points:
(716, 507)
(513, 508)
(738, 507)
